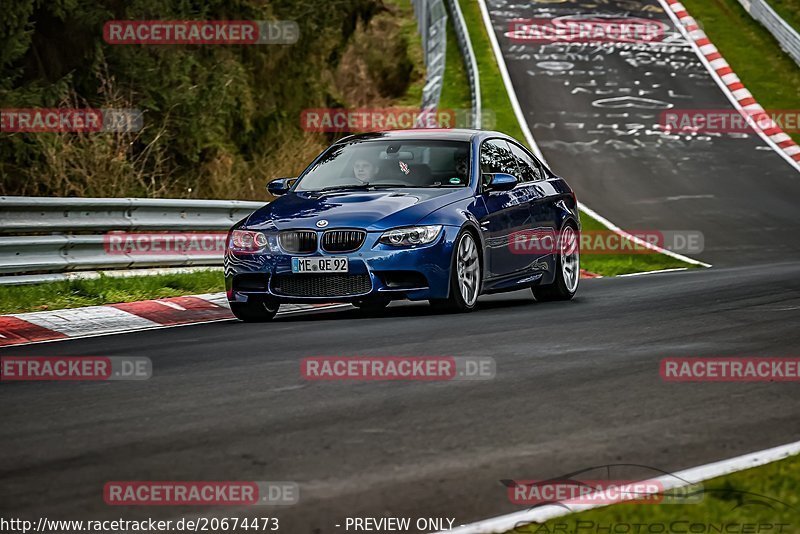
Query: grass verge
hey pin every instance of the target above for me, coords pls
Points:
(495, 98)
(616, 264)
(752, 52)
(106, 290)
(455, 89)
(763, 500)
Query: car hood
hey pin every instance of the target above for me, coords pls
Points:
(370, 210)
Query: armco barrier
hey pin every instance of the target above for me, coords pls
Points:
(786, 36)
(56, 235)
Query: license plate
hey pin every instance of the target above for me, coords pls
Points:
(333, 264)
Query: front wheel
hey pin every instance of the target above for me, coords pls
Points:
(465, 277)
(568, 268)
(254, 312)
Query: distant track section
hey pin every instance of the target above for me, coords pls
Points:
(595, 110)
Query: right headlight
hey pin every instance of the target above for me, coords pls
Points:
(247, 241)
(411, 235)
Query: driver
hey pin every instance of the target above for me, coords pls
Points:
(461, 160)
(364, 170)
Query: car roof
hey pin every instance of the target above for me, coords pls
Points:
(440, 134)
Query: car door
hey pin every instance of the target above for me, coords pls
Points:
(507, 211)
(541, 242)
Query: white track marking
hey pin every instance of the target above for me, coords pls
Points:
(694, 475)
(169, 304)
(92, 320)
(654, 272)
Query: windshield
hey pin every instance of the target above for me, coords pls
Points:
(389, 164)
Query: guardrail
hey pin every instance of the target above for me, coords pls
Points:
(56, 235)
(786, 36)
(465, 46)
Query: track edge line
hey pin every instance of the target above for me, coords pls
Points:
(693, 475)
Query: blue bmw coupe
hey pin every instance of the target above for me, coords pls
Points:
(438, 215)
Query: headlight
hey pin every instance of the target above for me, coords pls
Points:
(412, 235)
(247, 241)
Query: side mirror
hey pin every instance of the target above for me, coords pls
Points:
(502, 182)
(280, 186)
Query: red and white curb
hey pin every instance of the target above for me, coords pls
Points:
(35, 327)
(723, 74)
(695, 475)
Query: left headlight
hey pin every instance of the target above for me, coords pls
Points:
(411, 235)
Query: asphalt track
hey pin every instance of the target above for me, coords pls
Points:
(577, 386)
(595, 112)
(577, 383)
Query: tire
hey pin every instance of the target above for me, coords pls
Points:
(371, 305)
(568, 268)
(254, 312)
(465, 277)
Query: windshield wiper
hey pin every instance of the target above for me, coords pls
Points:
(342, 187)
(363, 186)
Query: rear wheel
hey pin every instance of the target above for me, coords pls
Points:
(255, 312)
(568, 268)
(465, 277)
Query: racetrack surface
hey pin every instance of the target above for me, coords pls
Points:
(595, 110)
(577, 386)
(577, 383)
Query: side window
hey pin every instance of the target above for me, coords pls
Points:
(529, 168)
(496, 157)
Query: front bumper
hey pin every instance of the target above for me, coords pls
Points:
(376, 271)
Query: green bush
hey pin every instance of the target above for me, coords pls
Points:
(218, 119)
